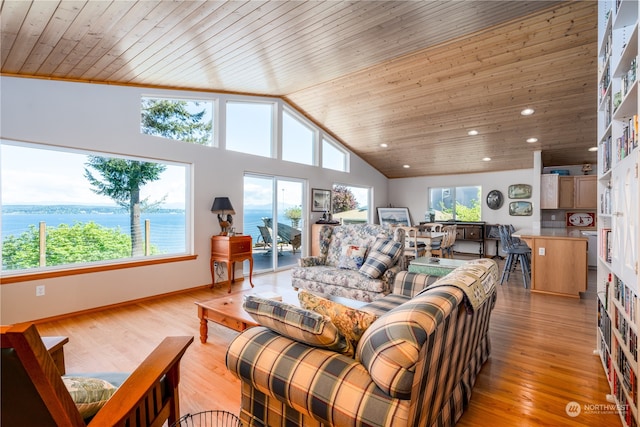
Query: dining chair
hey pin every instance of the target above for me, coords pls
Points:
(413, 247)
(517, 254)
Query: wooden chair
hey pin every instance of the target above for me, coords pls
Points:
(33, 393)
(445, 248)
(413, 248)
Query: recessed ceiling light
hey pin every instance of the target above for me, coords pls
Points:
(527, 111)
(486, 159)
(532, 140)
(406, 166)
(473, 132)
(593, 149)
(383, 145)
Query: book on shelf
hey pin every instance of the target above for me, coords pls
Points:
(605, 244)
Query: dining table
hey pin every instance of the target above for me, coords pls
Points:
(427, 237)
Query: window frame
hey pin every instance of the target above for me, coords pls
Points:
(304, 122)
(60, 270)
(454, 197)
(338, 147)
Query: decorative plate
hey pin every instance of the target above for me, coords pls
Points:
(494, 199)
(520, 191)
(520, 209)
(581, 219)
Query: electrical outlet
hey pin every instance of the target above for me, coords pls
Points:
(541, 251)
(40, 290)
(553, 217)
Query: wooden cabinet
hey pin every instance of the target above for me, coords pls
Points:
(229, 249)
(568, 192)
(585, 192)
(559, 266)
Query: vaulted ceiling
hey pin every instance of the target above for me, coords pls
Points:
(415, 75)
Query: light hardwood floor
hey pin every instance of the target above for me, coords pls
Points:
(541, 356)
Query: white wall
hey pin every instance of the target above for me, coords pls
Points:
(105, 118)
(414, 194)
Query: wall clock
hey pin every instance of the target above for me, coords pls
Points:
(494, 199)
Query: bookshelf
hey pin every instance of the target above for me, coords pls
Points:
(618, 194)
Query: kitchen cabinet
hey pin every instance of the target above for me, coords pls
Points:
(568, 192)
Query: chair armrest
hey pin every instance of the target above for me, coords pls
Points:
(149, 397)
(410, 284)
(311, 261)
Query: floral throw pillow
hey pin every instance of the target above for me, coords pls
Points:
(349, 321)
(352, 257)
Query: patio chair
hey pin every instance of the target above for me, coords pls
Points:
(34, 394)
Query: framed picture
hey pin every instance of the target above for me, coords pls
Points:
(320, 200)
(520, 191)
(520, 209)
(394, 216)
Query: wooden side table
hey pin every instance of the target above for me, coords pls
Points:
(229, 249)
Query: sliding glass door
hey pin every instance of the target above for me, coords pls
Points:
(276, 243)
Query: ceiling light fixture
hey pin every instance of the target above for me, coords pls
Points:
(527, 111)
(383, 145)
(593, 148)
(406, 166)
(486, 159)
(532, 140)
(472, 132)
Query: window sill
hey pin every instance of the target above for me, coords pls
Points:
(90, 269)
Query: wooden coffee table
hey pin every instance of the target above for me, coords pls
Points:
(228, 311)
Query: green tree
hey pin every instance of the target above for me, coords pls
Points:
(121, 180)
(342, 199)
(65, 244)
(171, 118)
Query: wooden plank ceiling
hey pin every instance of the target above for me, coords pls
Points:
(415, 75)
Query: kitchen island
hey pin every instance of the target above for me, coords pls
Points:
(559, 260)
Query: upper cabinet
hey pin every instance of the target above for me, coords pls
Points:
(568, 192)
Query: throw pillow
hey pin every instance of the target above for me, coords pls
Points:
(383, 254)
(350, 322)
(352, 257)
(89, 394)
(296, 323)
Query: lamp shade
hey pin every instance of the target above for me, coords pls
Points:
(222, 205)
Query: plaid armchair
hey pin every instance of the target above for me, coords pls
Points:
(425, 378)
(323, 274)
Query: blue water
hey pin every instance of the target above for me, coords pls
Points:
(167, 229)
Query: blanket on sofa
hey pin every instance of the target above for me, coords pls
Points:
(475, 287)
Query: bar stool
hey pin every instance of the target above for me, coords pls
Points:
(516, 254)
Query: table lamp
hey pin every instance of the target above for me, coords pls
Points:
(222, 207)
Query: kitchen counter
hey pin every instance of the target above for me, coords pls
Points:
(567, 233)
(558, 260)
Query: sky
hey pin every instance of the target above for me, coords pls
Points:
(27, 179)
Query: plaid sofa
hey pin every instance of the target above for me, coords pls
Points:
(427, 383)
(322, 274)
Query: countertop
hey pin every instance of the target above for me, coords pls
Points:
(563, 233)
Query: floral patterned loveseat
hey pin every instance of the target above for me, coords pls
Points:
(327, 273)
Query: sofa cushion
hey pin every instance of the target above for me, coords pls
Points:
(390, 348)
(296, 323)
(383, 254)
(89, 394)
(351, 322)
(352, 257)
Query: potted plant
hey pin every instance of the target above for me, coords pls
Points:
(294, 214)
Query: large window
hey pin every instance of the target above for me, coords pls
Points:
(180, 119)
(456, 203)
(297, 140)
(68, 208)
(350, 204)
(250, 128)
(334, 157)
